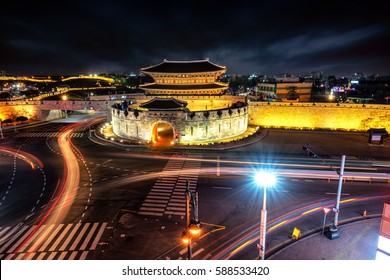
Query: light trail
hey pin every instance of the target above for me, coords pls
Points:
(71, 175)
(249, 230)
(306, 171)
(240, 162)
(247, 239)
(64, 194)
(41, 219)
(32, 160)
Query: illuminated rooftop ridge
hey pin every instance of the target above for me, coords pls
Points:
(184, 66)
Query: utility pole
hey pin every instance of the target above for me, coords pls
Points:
(1, 130)
(193, 226)
(332, 232)
(336, 216)
(188, 217)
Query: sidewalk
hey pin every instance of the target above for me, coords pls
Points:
(357, 241)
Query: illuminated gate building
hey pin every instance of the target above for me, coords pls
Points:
(185, 104)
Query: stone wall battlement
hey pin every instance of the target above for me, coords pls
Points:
(192, 127)
(348, 117)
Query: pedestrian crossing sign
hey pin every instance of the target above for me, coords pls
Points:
(296, 233)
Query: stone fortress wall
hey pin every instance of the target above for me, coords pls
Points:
(348, 117)
(329, 116)
(49, 109)
(190, 126)
(13, 111)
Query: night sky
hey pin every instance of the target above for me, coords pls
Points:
(264, 37)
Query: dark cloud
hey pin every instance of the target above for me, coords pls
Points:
(267, 37)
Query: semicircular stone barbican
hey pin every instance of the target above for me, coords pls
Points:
(189, 97)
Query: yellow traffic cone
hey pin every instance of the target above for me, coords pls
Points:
(364, 213)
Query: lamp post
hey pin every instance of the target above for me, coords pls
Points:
(265, 180)
(333, 233)
(336, 216)
(193, 226)
(188, 199)
(66, 112)
(1, 130)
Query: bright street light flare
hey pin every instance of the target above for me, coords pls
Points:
(265, 179)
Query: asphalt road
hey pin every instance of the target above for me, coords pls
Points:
(120, 209)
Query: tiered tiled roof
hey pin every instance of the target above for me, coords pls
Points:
(163, 104)
(191, 66)
(184, 86)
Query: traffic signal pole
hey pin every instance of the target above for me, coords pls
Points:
(188, 218)
(336, 209)
(336, 216)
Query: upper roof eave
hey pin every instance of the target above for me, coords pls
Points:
(188, 66)
(210, 86)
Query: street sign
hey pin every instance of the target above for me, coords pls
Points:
(335, 210)
(326, 210)
(296, 233)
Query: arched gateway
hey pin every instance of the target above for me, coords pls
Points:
(186, 104)
(163, 134)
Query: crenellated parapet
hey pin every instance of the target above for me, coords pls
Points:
(315, 116)
(190, 126)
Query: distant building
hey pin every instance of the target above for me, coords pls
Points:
(285, 91)
(286, 78)
(358, 76)
(317, 75)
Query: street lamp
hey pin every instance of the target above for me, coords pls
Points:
(65, 98)
(193, 226)
(1, 130)
(332, 233)
(264, 179)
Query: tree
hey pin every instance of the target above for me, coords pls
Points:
(5, 96)
(292, 93)
(21, 119)
(7, 121)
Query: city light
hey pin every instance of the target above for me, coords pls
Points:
(195, 227)
(265, 179)
(185, 237)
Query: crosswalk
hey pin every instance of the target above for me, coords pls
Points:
(167, 195)
(50, 242)
(47, 134)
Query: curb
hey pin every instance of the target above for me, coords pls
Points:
(290, 242)
(261, 134)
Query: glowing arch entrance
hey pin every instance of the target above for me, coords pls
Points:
(163, 134)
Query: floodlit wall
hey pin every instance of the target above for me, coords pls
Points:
(31, 112)
(350, 117)
(192, 127)
(11, 112)
(47, 110)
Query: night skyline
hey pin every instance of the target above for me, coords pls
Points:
(264, 37)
